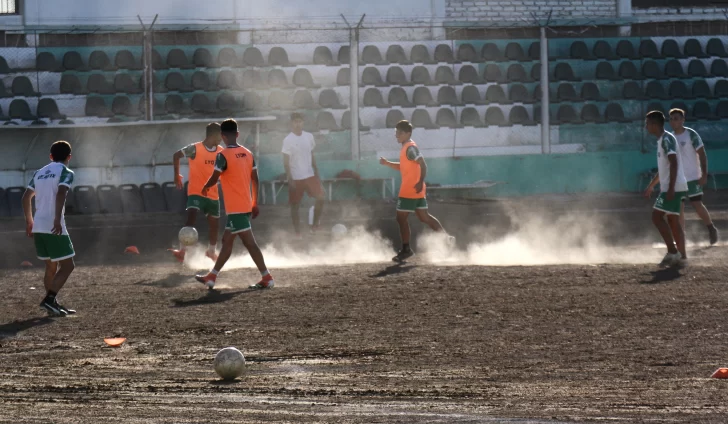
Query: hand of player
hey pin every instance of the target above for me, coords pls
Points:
(418, 187)
(179, 183)
(57, 227)
(204, 191)
(29, 228)
(648, 192)
(670, 194)
(383, 161)
(256, 211)
(703, 180)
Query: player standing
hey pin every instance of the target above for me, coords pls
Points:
(302, 172)
(673, 187)
(201, 156)
(235, 168)
(412, 192)
(50, 186)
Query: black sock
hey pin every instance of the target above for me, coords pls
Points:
(50, 296)
(405, 247)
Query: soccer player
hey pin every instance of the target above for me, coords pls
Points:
(695, 165)
(50, 186)
(673, 187)
(412, 192)
(235, 168)
(302, 172)
(201, 156)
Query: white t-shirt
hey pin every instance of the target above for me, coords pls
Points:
(666, 146)
(45, 183)
(689, 142)
(299, 149)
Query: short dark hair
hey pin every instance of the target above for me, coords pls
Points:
(296, 115)
(229, 126)
(212, 128)
(404, 126)
(60, 151)
(678, 111)
(657, 117)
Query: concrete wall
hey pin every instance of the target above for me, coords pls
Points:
(519, 10)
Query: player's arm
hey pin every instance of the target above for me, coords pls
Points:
(60, 203)
(175, 161)
(254, 186)
(673, 175)
(389, 164)
(287, 167)
(220, 167)
(313, 164)
(423, 174)
(651, 186)
(703, 165)
(28, 210)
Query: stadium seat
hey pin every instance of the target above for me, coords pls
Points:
(325, 121)
(371, 76)
(537, 94)
(98, 84)
(536, 72)
(694, 49)
(673, 69)
(70, 84)
(109, 199)
(721, 109)
(175, 82)
(494, 116)
(716, 47)
(491, 53)
(200, 104)
(253, 80)
(650, 69)
(423, 97)
(158, 108)
(175, 199)
(3, 117)
(72, 61)
(19, 109)
(701, 90)
(346, 122)
(495, 94)
(614, 113)
(467, 53)
(567, 115)
(226, 80)
(519, 116)
(123, 83)
(253, 102)
(121, 105)
(394, 116)
(96, 106)
(175, 104)
(469, 75)
(277, 79)
(227, 57)
(395, 76)
(328, 99)
(671, 49)
(534, 51)
(447, 96)
(471, 96)
(124, 59)
(492, 73)
(302, 99)
(99, 61)
(343, 76)
(469, 117)
(720, 90)
(253, 57)
(46, 62)
(563, 72)
(514, 51)
(279, 100)
(719, 68)
(655, 106)
(443, 53)
(158, 86)
(648, 49)
(655, 90)
(23, 87)
(152, 198)
(602, 50)
(157, 62)
(278, 57)
(178, 59)
(87, 203)
(4, 68)
(420, 75)
(590, 114)
(131, 199)
(519, 93)
(579, 50)
(322, 56)
(202, 58)
(47, 108)
(14, 199)
(371, 55)
(605, 71)
(696, 69)
(537, 113)
(395, 54)
(343, 56)
(566, 93)
(421, 119)
(4, 206)
(446, 118)
(516, 73)
(373, 97)
(678, 90)
(420, 54)
(632, 91)
(5, 93)
(625, 50)
(398, 97)
(628, 70)
(590, 91)
(228, 104)
(201, 81)
(445, 75)
(701, 111)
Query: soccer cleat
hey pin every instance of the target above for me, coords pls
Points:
(713, 234)
(179, 254)
(681, 263)
(265, 283)
(52, 308)
(208, 280)
(211, 255)
(64, 309)
(403, 255)
(669, 260)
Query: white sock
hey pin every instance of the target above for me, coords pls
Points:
(182, 248)
(214, 271)
(264, 273)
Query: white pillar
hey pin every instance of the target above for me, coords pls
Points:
(354, 90)
(624, 10)
(545, 126)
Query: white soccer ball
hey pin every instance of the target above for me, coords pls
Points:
(338, 230)
(229, 363)
(188, 236)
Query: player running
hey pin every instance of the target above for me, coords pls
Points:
(235, 168)
(673, 187)
(412, 192)
(201, 156)
(50, 186)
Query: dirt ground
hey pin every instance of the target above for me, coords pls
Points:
(371, 343)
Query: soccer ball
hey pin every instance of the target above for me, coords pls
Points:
(188, 236)
(229, 363)
(338, 230)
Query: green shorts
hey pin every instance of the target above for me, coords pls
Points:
(410, 205)
(53, 247)
(207, 206)
(670, 207)
(694, 189)
(238, 222)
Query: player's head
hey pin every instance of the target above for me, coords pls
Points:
(229, 131)
(655, 123)
(677, 119)
(61, 151)
(403, 131)
(296, 123)
(212, 134)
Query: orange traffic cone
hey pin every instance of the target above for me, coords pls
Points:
(132, 249)
(720, 373)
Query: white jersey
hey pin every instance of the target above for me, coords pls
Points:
(299, 149)
(689, 142)
(666, 146)
(45, 183)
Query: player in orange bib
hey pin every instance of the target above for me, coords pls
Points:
(201, 156)
(235, 168)
(412, 192)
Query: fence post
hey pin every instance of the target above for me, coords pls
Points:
(545, 125)
(354, 86)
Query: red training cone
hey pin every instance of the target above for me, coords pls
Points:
(132, 249)
(720, 373)
(26, 264)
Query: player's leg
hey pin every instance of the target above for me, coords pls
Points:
(193, 207)
(704, 215)
(59, 266)
(678, 234)
(295, 195)
(682, 216)
(266, 281)
(658, 219)
(404, 231)
(225, 252)
(424, 215)
(48, 301)
(316, 190)
(213, 224)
